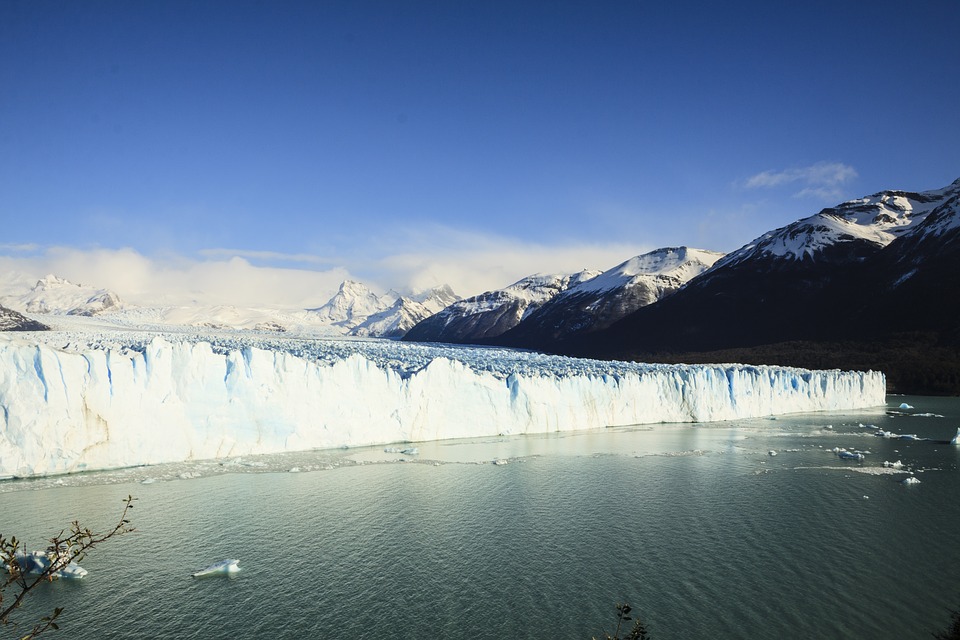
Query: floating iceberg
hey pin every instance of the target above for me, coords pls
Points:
(956, 438)
(36, 562)
(910, 480)
(904, 405)
(99, 405)
(219, 568)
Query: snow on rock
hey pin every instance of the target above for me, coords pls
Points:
(53, 295)
(876, 220)
(10, 320)
(352, 304)
(673, 265)
(101, 404)
(493, 313)
(405, 313)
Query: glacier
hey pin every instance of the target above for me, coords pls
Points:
(100, 402)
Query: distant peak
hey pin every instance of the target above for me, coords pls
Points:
(50, 280)
(352, 286)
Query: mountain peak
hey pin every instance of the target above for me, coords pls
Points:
(872, 222)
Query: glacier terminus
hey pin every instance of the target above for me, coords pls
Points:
(89, 402)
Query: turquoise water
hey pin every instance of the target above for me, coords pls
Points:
(697, 526)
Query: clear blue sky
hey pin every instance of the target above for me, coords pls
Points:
(403, 141)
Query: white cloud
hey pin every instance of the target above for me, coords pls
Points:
(269, 256)
(174, 279)
(832, 194)
(469, 262)
(822, 180)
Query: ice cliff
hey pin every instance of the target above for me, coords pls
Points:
(92, 406)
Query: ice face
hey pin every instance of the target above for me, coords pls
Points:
(93, 406)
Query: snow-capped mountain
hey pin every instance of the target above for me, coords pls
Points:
(57, 296)
(599, 302)
(879, 271)
(847, 231)
(11, 320)
(405, 313)
(353, 303)
(490, 314)
(918, 276)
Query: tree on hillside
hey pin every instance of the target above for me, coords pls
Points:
(24, 576)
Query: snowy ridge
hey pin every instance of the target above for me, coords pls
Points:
(676, 265)
(529, 292)
(56, 296)
(878, 220)
(597, 303)
(945, 216)
(91, 407)
(405, 313)
(491, 314)
(352, 304)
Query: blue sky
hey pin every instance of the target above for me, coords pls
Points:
(411, 143)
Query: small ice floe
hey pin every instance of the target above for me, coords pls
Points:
(500, 462)
(866, 497)
(904, 405)
(408, 451)
(219, 568)
(893, 465)
(771, 452)
(829, 427)
(36, 562)
(927, 415)
(843, 454)
(910, 480)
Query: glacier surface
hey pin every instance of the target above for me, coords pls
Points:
(70, 404)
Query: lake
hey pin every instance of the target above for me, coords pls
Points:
(698, 527)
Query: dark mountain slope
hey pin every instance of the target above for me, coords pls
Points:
(11, 320)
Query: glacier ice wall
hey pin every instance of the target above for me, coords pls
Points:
(69, 410)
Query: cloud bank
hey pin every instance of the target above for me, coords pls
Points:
(470, 263)
(173, 279)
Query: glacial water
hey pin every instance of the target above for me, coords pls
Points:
(704, 532)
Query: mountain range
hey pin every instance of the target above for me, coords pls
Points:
(489, 315)
(353, 310)
(871, 283)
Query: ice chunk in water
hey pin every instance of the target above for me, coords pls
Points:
(222, 567)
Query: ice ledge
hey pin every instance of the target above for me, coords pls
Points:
(68, 410)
